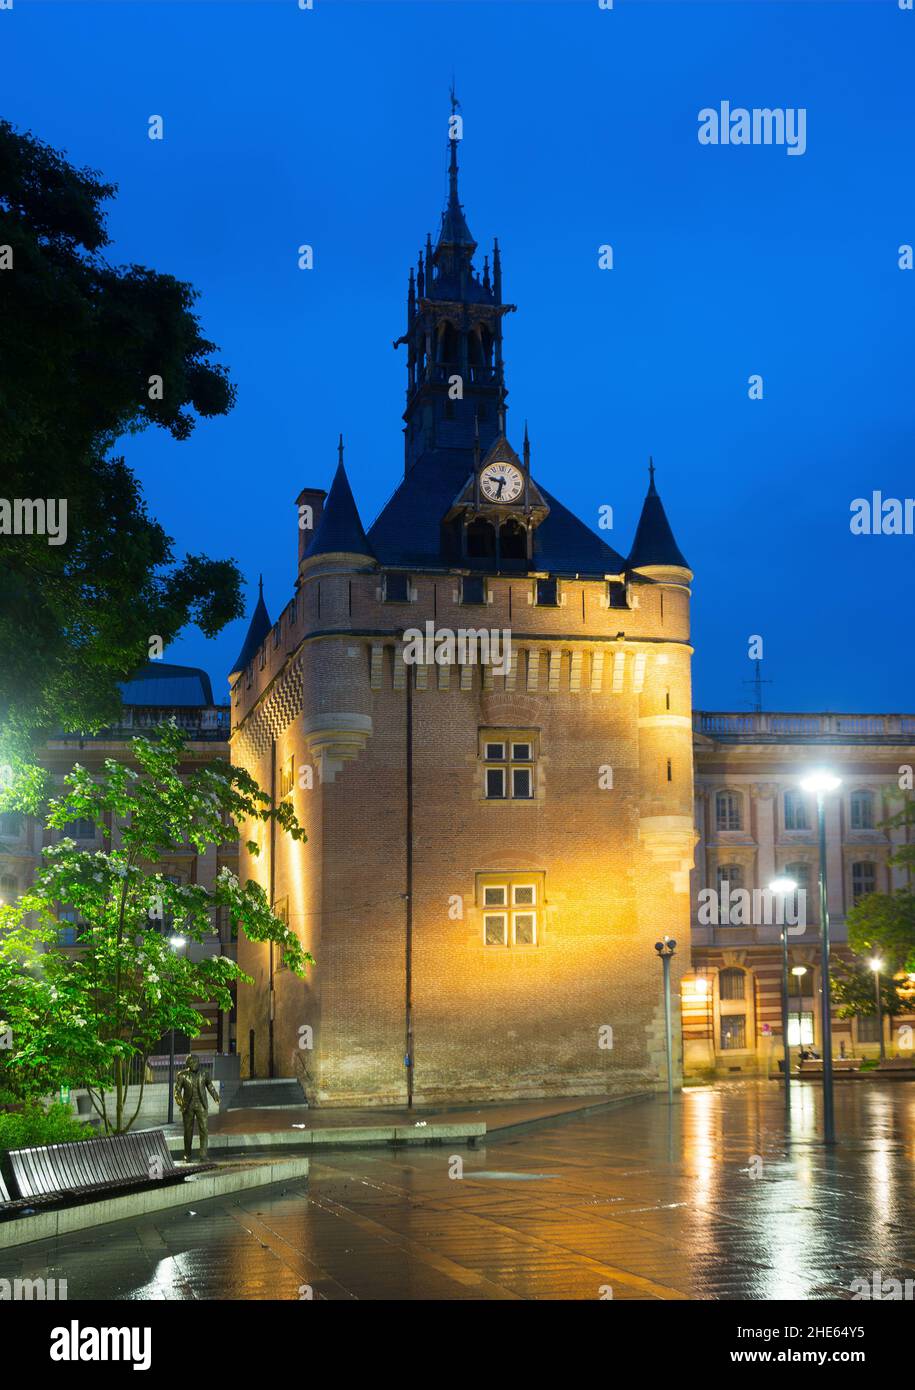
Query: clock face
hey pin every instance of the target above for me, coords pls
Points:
(501, 482)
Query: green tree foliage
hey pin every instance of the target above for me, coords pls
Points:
(88, 1018)
(883, 924)
(82, 344)
(854, 993)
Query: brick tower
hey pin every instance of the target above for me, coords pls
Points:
(494, 845)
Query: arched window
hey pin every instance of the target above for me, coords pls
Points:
(731, 874)
(481, 540)
(863, 880)
(448, 344)
(11, 823)
(513, 540)
(862, 810)
(728, 811)
(732, 984)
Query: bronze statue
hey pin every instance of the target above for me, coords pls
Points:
(191, 1086)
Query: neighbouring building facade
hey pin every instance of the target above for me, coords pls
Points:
(500, 824)
(159, 692)
(755, 823)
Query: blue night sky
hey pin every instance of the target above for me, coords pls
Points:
(329, 127)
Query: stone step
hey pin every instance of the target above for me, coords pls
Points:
(271, 1093)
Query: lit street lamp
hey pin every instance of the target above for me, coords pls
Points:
(783, 886)
(176, 942)
(876, 965)
(665, 950)
(822, 782)
(799, 971)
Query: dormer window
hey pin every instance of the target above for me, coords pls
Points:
(397, 588)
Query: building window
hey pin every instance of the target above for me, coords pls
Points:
(730, 874)
(731, 984)
(276, 634)
(547, 593)
(795, 812)
(862, 810)
(868, 1028)
(508, 765)
(800, 1034)
(80, 829)
(733, 1032)
(863, 880)
(9, 888)
(70, 927)
(473, 589)
(397, 588)
(11, 823)
(287, 776)
(728, 811)
(511, 909)
(262, 657)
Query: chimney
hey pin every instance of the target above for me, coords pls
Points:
(313, 499)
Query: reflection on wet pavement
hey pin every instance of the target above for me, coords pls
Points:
(705, 1201)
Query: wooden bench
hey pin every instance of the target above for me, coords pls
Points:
(89, 1167)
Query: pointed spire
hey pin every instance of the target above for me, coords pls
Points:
(258, 629)
(654, 543)
(339, 530)
(454, 232)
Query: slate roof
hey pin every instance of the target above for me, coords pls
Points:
(339, 529)
(407, 532)
(258, 628)
(654, 542)
(161, 683)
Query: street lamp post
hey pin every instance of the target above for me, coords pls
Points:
(877, 966)
(821, 783)
(176, 942)
(799, 971)
(665, 950)
(783, 886)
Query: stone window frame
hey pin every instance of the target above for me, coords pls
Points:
(740, 799)
(862, 796)
(862, 863)
(798, 801)
(509, 763)
(508, 908)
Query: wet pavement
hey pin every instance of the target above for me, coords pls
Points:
(702, 1202)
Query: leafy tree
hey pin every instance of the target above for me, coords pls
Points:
(854, 993)
(90, 352)
(84, 1019)
(883, 924)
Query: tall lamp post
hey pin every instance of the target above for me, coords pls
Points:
(784, 886)
(876, 965)
(821, 783)
(665, 950)
(799, 971)
(176, 942)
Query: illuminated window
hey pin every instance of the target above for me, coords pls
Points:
(801, 1034)
(287, 776)
(511, 908)
(508, 765)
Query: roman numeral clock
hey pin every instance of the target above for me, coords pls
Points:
(493, 520)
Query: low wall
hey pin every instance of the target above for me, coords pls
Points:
(153, 1107)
